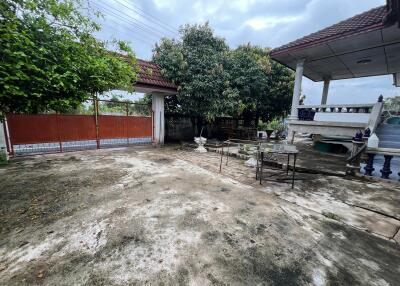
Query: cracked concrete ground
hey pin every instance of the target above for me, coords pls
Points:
(168, 217)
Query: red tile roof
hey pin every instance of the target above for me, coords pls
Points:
(150, 75)
(367, 21)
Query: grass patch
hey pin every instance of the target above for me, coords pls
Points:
(331, 216)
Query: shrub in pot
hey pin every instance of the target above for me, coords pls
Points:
(263, 126)
(277, 126)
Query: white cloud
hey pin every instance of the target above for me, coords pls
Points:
(260, 23)
(244, 5)
(163, 4)
(205, 9)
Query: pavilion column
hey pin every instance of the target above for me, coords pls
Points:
(325, 91)
(297, 90)
(158, 118)
(294, 114)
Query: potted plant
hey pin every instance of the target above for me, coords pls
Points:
(276, 126)
(263, 126)
(280, 130)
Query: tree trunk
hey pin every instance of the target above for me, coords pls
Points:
(257, 118)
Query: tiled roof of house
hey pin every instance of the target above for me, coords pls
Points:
(150, 74)
(370, 20)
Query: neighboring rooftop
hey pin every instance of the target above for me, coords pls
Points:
(150, 75)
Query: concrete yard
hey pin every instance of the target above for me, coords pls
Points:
(168, 217)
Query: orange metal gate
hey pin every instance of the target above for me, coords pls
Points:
(53, 132)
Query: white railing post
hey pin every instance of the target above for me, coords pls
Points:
(375, 116)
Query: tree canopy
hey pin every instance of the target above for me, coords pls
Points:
(214, 80)
(196, 64)
(51, 60)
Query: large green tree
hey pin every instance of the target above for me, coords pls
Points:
(214, 80)
(248, 67)
(196, 63)
(264, 86)
(277, 98)
(50, 59)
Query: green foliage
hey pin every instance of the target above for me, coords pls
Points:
(117, 106)
(3, 157)
(137, 108)
(265, 87)
(215, 81)
(113, 108)
(276, 125)
(248, 68)
(277, 99)
(332, 216)
(196, 64)
(392, 103)
(114, 101)
(142, 106)
(262, 125)
(50, 59)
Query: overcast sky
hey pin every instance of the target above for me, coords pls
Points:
(267, 23)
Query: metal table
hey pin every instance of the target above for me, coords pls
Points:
(281, 151)
(235, 143)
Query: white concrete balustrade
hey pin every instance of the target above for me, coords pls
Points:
(336, 119)
(330, 119)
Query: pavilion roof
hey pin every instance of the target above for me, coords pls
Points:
(367, 44)
(367, 21)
